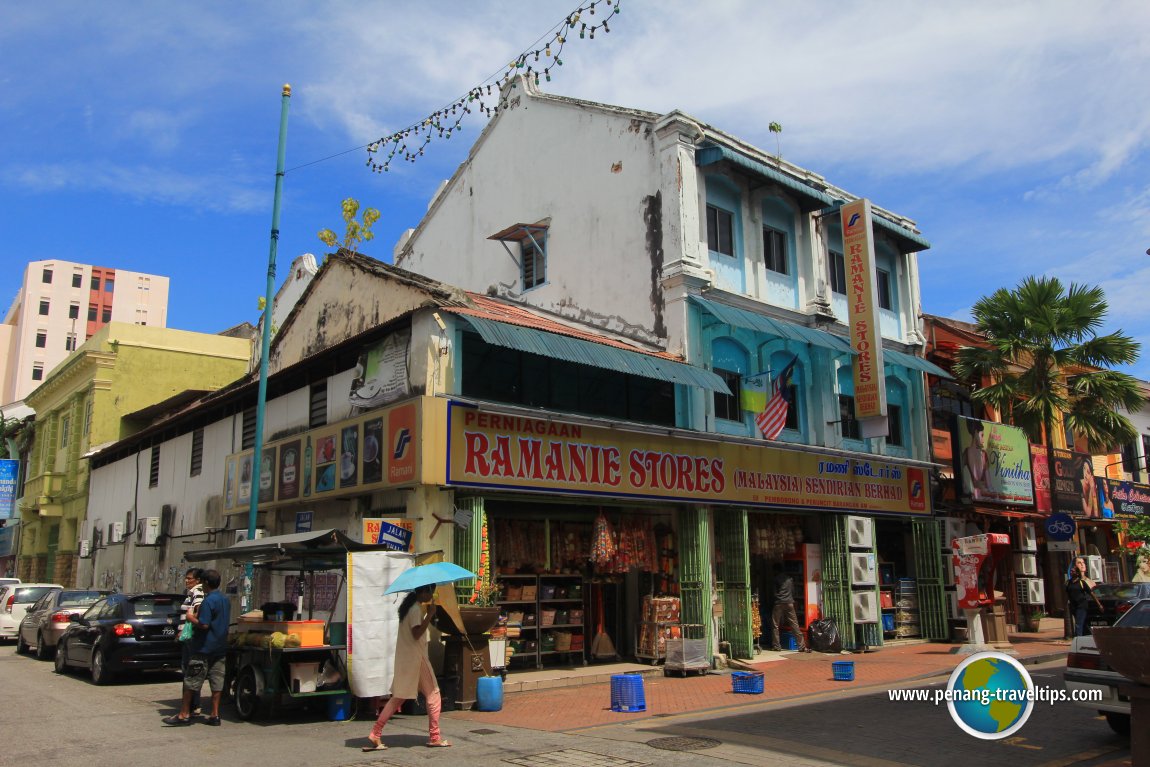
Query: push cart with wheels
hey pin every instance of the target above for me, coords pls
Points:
(264, 679)
(687, 653)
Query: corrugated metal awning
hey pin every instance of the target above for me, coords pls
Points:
(579, 351)
(914, 363)
(741, 318)
(709, 155)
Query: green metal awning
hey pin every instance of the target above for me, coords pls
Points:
(709, 155)
(579, 351)
(741, 318)
(912, 242)
(914, 363)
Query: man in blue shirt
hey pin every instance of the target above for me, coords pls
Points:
(209, 649)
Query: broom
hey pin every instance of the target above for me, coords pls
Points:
(601, 645)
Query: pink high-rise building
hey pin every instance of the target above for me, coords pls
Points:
(59, 305)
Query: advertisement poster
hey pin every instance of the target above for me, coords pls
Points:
(863, 309)
(349, 456)
(289, 471)
(1072, 487)
(1040, 466)
(244, 494)
(372, 451)
(267, 475)
(1123, 500)
(325, 464)
(230, 483)
(381, 375)
(397, 531)
(401, 426)
(995, 462)
(9, 473)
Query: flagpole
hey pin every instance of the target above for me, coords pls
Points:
(265, 345)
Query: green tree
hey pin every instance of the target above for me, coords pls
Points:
(355, 232)
(1045, 356)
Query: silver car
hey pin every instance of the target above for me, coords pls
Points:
(1085, 670)
(15, 599)
(46, 620)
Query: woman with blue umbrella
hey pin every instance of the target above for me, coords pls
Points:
(413, 673)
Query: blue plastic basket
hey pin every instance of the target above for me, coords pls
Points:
(747, 682)
(888, 621)
(844, 670)
(627, 693)
(787, 641)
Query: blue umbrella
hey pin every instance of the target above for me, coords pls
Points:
(428, 575)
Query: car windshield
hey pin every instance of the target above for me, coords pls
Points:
(1117, 591)
(78, 598)
(1136, 616)
(149, 606)
(30, 593)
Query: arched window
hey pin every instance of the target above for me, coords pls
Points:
(729, 361)
(778, 364)
(848, 424)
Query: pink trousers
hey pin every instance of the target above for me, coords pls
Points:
(430, 690)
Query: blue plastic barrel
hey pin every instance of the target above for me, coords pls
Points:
(339, 707)
(489, 693)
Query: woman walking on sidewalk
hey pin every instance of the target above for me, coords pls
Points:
(1079, 592)
(413, 673)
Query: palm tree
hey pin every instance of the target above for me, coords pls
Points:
(1044, 357)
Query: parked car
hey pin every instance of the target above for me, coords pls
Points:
(15, 599)
(123, 632)
(8, 581)
(1116, 599)
(1085, 670)
(46, 620)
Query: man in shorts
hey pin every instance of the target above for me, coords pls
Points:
(209, 649)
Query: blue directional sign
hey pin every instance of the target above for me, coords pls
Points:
(1060, 527)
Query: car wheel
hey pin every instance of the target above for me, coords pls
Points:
(100, 672)
(21, 645)
(61, 664)
(43, 651)
(248, 693)
(1120, 723)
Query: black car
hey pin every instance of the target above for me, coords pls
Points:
(1116, 599)
(123, 632)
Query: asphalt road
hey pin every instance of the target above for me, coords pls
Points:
(49, 719)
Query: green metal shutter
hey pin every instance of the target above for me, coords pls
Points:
(928, 567)
(837, 603)
(466, 544)
(695, 571)
(735, 581)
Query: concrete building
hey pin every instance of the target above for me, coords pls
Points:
(108, 389)
(58, 307)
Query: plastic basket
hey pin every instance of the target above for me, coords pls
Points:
(627, 693)
(844, 670)
(888, 622)
(787, 641)
(747, 682)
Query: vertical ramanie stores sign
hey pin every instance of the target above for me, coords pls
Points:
(9, 472)
(862, 301)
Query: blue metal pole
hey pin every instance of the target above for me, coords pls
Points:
(265, 345)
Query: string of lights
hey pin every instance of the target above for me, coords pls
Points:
(537, 62)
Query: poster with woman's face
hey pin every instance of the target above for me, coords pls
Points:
(349, 456)
(372, 451)
(244, 494)
(268, 475)
(289, 474)
(325, 464)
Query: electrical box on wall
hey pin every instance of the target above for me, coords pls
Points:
(85, 548)
(860, 532)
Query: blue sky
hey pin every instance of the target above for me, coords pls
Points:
(143, 135)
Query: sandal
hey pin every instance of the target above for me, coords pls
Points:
(376, 745)
(438, 744)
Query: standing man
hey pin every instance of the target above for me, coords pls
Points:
(195, 595)
(209, 648)
(785, 609)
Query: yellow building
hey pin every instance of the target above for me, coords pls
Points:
(104, 392)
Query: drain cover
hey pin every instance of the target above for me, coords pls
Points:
(484, 731)
(684, 744)
(571, 757)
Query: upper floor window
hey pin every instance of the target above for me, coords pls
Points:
(775, 249)
(107, 314)
(44, 306)
(95, 282)
(41, 339)
(894, 426)
(37, 371)
(531, 240)
(847, 421)
(65, 430)
(47, 277)
(109, 285)
(727, 405)
(77, 279)
(317, 409)
(154, 467)
(534, 260)
(947, 400)
(87, 417)
(197, 463)
(729, 361)
(838, 272)
(884, 292)
(1130, 461)
(70, 342)
(73, 311)
(93, 312)
(720, 231)
(248, 429)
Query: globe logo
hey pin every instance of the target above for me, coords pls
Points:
(990, 695)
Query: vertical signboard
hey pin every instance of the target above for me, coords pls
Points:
(1040, 466)
(862, 301)
(1072, 487)
(9, 472)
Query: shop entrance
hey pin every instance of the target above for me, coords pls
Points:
(782, 539)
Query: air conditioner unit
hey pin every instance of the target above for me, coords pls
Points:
(952, 528)
(860, 532)
(1028, 540)
(148, 531)
(862, 568)
(1094, 568)
(242, 535)
(115, 532)
(1030, 591)
(1025, 564)
(864, 607)
(85, 548)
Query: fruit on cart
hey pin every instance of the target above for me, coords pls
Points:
(276, 640)
(293, 640)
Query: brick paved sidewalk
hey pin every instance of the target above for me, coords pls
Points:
(793, 675)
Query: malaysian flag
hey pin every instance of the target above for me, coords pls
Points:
(774, 416)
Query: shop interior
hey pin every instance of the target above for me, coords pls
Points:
(898, 590)
(779, 538)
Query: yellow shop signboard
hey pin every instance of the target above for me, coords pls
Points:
(497, 450)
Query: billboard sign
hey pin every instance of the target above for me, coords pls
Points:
(862, 303)
(995, 462)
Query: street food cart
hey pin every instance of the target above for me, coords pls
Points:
(279, 658)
